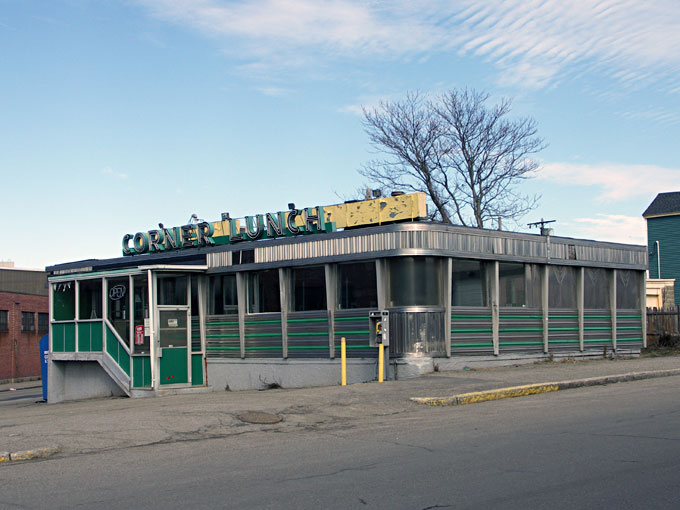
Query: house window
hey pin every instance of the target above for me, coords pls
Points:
(27, 321)
(3, 320)
(43, 322)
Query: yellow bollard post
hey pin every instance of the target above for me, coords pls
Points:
(381, 362)
(343, 360)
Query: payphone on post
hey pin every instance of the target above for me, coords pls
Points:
(379, 328)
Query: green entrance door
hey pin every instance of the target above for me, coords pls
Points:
(174, 342)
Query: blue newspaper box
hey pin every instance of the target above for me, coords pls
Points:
(44, 351)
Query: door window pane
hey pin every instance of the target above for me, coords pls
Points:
(469, 283)
(172, 290)
(90, 299)
(308, 289)
(263, 292)
(173, 328)
(415, 281)
(118, 305)
(357, 286)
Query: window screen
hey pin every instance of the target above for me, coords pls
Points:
(596, 288)
(562, 291)
(628, 289)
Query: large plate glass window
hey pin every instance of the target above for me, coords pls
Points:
(469, 285)
(308, 289)
(90, 299)
(596, 288)
(64, 301)
(172, 290)
(519, 285)
(118, 305)
(263, 292)
(140, 302)
(415, 281)
(357, 285)
(223, 295)
(562, 287)
(628, 289)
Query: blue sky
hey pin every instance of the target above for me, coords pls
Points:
(117, 115)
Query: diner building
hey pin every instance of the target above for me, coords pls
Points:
(264, 301)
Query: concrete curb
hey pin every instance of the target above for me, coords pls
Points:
(36, 453)
(534, 389)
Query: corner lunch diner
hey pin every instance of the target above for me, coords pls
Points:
(259, 226)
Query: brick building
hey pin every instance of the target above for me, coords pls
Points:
(24, 319)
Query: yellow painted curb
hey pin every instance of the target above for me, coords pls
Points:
(37, 453)
(484, 396)
(4, 456)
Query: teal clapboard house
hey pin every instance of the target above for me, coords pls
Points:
(663, 239)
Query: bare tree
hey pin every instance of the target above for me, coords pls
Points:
(467, 157)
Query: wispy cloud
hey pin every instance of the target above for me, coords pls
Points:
(532, 43)
(615, 228)
(615, 182)
(118, 175)
(273, 91)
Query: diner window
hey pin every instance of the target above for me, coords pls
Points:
(596, 288)
(223, 295)
(118, 305)
(90, 299)
(628, 289)
(172, 290)
(140, 307)
(562, 287)
(43, 322)
(308, 289)
(469, 283)
(64, 301)
(4, 325)
(511, 284)
(357, 286)
(263, 292)
(27, 321)
(415, 281)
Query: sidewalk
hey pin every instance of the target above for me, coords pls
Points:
(119, 423)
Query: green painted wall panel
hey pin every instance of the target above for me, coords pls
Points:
(665, 230)
(197, 369)
(69, 337)
(174, 365)
(141, 371)
(58, 337)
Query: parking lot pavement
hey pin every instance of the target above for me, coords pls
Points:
(118, 423)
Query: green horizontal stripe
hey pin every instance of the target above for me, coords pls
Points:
(520, 330)
(596, 340)
(629, 339)
(563, 329)
(295, 321)
(557, 317)
(226, 335)
(264, 348)
(597, 328)
(361, 346)
(484, 344)
(222, 323)
(519, 317)
(639, 328)
(357, 332)
(563, 341)
(262, 335)
(223, 348)
(472, 330)
(502, 343)
(263, 322)
(302, 347)
(320, 333)
(341, 319)
(597, 316)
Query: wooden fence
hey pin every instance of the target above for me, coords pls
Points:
(662, 323)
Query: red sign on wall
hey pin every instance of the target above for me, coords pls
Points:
(139, 335)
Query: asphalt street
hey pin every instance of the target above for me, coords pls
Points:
(615, 446)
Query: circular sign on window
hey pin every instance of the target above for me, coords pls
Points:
(117, 292)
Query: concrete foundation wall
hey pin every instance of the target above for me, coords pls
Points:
(226, 374)
(76, 380)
